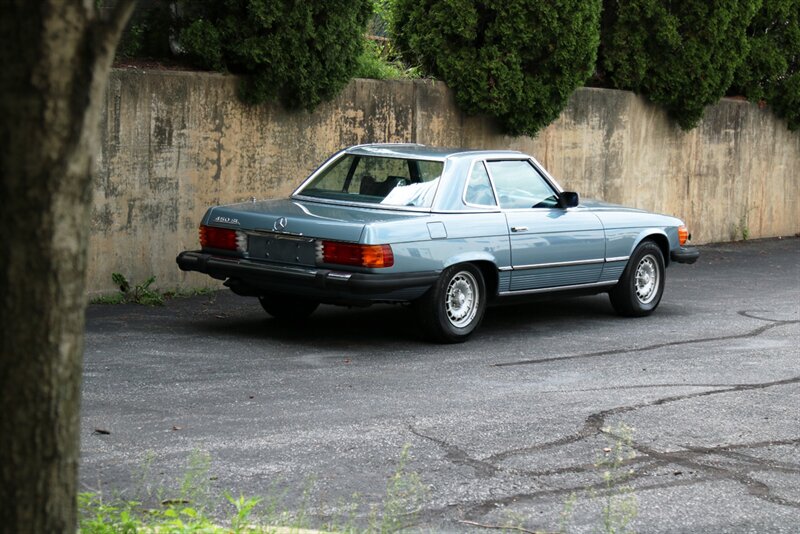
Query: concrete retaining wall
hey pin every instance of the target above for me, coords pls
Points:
(174, 143)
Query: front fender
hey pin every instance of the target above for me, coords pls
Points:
(666, 239)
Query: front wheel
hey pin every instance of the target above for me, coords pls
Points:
(639, 290)
(286, 307)
(453, 308)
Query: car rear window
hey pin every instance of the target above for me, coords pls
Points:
(377, 180)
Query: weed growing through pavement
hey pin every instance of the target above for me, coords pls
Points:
(741, 229)
(196, 482)
(566, 512)
(143, 293)
(620, 505)
(190, 508)
(405, 494)
(136, 293)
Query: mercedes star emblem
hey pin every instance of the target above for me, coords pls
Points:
(280, 224)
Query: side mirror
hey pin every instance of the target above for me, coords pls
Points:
(569, 199)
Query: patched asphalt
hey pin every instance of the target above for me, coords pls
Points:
(503, 430)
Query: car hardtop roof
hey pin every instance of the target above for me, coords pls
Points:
(412, 150)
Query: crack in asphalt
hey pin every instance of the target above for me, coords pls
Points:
(773, 323)
(459, 457)
(594, 422)
(594, 426)
(754, 487)
(664, 385)
(689, 457)
(760, 463)
(598, 489)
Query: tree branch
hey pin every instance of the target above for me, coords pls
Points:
(108, 31)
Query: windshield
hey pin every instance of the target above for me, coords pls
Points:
(377, 180)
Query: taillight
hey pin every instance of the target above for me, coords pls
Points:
(375, 256)
(683, 235)
(223, 238)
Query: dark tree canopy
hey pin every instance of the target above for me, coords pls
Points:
(299, 52)
(771, 71)
(516, 60)
(681, 55)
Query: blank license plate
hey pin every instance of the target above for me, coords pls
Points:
(284, 249)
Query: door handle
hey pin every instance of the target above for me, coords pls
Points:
(519, 228)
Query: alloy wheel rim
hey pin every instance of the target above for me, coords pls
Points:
(647, 279)
(461, 299)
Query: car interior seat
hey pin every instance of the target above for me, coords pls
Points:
(371, 186)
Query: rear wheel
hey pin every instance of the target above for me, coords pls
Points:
(286, 307)
(453, 308)
(642, 283)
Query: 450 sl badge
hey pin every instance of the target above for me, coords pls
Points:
(226, 220)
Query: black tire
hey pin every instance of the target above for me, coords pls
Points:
(642, 282)
(286, 307)
(454, 307)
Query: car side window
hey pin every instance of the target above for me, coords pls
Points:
(519, 185)
(479, 188)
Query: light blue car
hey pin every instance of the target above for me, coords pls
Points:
(447, 230)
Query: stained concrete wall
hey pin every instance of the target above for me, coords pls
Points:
(174, 143)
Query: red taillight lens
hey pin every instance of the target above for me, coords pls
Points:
(375, 256)
(222, 238)
(683, 235)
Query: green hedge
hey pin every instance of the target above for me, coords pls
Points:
(516, 60)
(148, 32)
(298, 52)
(771, 71)
(681, 55)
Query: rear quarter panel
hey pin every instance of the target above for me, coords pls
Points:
(440, 240)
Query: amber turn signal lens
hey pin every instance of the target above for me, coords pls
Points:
(377, 256)
(683, 235)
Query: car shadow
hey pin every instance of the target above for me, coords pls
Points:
(329, 324)
(394, 324)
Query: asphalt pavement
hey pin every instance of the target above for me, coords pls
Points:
(518, 426)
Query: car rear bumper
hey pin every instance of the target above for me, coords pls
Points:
(685, 255)
(325, 284)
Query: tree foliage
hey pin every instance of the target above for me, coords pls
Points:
(299, 52)
(771, 71)
(149, 31)
(681, 55)
(516, 60)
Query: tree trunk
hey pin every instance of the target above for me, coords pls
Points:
(55, 57)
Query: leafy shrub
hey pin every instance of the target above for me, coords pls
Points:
(681, 55)
(149, 31)
(137, 293)
(372, 64)
(299, 52)
(771, 71)
(516, 60)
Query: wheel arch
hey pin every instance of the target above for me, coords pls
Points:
(659, 238)
(488, 267)
(491, 277)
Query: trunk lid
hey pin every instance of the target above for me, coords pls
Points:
(301, 218)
